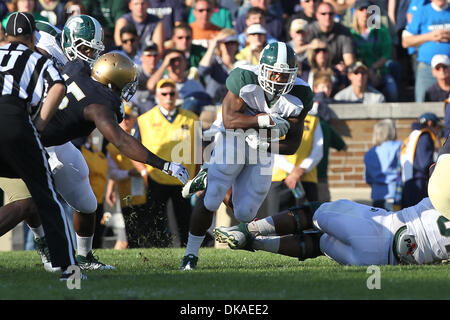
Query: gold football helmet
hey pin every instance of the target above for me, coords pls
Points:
(118, 72)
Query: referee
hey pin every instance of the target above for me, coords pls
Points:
(24, 76)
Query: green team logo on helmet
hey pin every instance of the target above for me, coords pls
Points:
(277, 68)
(82, 30)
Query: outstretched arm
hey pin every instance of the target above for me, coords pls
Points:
(106, 122)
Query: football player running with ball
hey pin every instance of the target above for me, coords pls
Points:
(263, 102)
(355, 234)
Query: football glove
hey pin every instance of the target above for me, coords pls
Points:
(278, 123)
(255, 142)
(176, 170)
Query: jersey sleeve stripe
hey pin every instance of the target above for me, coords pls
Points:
(35, 88)
(21, 70)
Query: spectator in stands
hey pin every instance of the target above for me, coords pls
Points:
(308, 13)
(429, 32)
(29, 6)
(174, 63)
(129, 40)
(373, 45)
(170, 11)
(107, 12)
(255, 43)
(359, 90)
(418, 153)
(150, 60)
(74, 8)
(53, 10)
(397, 12)
(254, 15)
(148, 26)
(439, 91)
(337, 37)
(413, 8)
(297, 32)
(218, 62)
(274, 24)
(319, 62)
(203, 31)
(381, 164)
(182, 40)
(161, 130)
(220, 16)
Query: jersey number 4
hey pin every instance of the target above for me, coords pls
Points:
(74, 90)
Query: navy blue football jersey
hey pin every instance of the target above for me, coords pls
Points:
(68, 122)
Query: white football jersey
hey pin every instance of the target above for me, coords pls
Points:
(431, 231)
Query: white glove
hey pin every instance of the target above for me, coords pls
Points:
(176, 170)
(279, 123)
(255, 142)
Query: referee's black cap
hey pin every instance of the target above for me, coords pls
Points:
(20, 24)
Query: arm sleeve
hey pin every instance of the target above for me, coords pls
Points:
(316, 152)
(281, 162)
(414, 27)
(114, 172)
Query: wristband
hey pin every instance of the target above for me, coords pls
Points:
(264, 121)
(143, 172)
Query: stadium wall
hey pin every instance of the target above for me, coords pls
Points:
(354, 122)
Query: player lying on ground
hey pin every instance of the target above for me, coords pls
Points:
(349, 233)
(356, 234)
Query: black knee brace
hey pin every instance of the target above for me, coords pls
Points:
(308, 209)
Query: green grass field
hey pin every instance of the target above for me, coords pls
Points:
(221, 275)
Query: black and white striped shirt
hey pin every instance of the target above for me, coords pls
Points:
(25, 74)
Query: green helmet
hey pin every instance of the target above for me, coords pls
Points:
(82, 30)
(277, 68)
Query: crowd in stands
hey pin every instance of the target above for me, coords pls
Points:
(393, 42)
(363, 51)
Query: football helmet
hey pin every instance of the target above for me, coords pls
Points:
(277, 60)
(82, 30)
(117, 72)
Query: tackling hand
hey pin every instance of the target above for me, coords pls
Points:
(176, 170)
